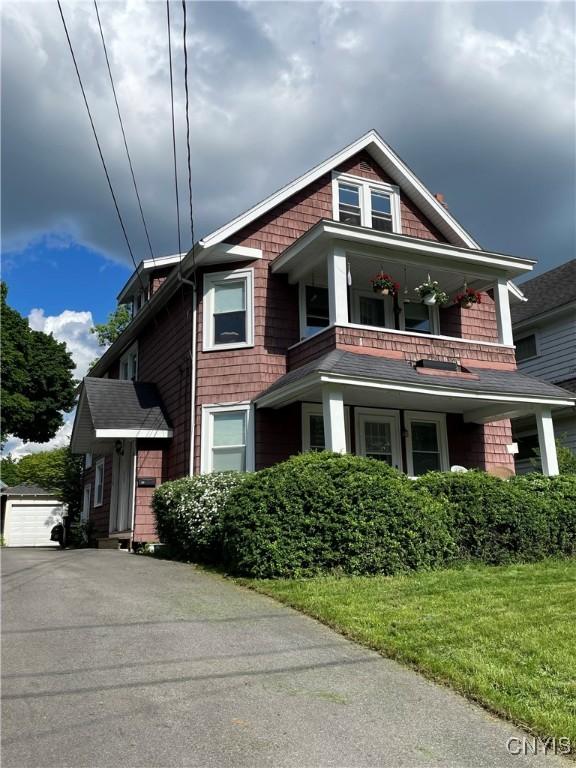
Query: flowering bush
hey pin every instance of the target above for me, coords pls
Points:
(432, 288)
(188, 514)
(383, 282)
(469, 297)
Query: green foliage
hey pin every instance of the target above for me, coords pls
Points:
(321, 511)
(37, 382)
(108, 332)
(58, 470)
(188, 514)
(566, 458)
(497, 521)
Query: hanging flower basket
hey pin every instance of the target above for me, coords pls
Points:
(467, 299)
(384, 284)
(431, 294)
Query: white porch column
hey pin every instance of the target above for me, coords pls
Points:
(337, 286)
(503, 318)
(334, 424)
(547, 443)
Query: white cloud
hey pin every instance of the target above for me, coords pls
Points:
(18, 448)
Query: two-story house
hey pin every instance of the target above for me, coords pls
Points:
(544, 329)
(267, 339)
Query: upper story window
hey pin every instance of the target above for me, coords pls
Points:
(419, 318)
(526, 348)
(228, 310)
(366, 203)
(99, 483)
(138, 302)
(129, 364)
(316, 312)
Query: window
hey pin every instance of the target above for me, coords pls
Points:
(85, 514)
(87, 461)
(129, 364)
(316, 310)
(313, 438)
(227, 443)
(526, 348)
(369, 309)
(426, 442)
(378, 435)
(99, 483)
(228, 310)
(419, 318)
(365, 203)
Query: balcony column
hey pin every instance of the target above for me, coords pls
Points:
(547, 442)
(334, 423)
(337, 286)
(503, 318)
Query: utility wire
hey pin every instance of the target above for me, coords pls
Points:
(123, 132)
(174, 136)
(188, 139)
(98, 143)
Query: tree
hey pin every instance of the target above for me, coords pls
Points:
(108, 332)
(37, 381)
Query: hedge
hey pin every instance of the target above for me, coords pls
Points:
(327, 512)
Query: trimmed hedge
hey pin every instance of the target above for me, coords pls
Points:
(189, 511)
(324, 512)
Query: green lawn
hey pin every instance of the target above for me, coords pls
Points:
(504, 636)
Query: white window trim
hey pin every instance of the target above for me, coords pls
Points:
(127, 357)
(366, 185)
(87, 460)
(433, 314)
(382, 414)
(86, 507)
(358, 293)
(303, 284)
(536, 344)
(208, 430)
(435, 418)
(316, 409)
(99, 468)
(210, 278)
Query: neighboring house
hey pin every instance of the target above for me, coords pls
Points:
(266, 340)
(29, 513)
(544, 330)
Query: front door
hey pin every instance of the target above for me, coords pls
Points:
(122, 487)
(378, 435)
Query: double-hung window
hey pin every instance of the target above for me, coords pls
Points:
(316, 311)
(365, 203)
(228, 310)
(227, 443)
(426, 442)
(85, 514)
(99, 483)
(129, 364)
(419, 318)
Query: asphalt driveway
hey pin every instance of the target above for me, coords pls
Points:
(111, 659)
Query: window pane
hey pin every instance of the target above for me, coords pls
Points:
(380, 203)
(317, 315)
(381, 224)
(416, 318)
(372, 312)
(317, 440)
(349, 195)
(377, 437)
(230, 296)
(425, 462)
(424, 436)
(230, 328)
(526, 347)
(228, 459)
(229, 428)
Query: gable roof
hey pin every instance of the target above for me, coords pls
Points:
(389, 161)
(547, 292)
(27, 489)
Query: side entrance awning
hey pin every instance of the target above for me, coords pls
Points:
(114, 409)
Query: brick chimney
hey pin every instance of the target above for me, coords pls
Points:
(440, 197)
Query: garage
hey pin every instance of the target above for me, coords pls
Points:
(29, 513)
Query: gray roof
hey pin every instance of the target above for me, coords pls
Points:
(549, 291)
(119, 404)
(369, 366)
(27, 489)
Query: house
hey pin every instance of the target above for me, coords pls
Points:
(544, 329)
(266, 339)
(29, 513)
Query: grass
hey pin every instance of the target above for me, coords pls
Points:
(503, 636)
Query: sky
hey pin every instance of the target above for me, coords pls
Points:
(477, 98)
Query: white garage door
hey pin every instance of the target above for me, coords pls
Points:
(30, 525)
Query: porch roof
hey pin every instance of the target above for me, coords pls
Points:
(500, 392)
(114, 409)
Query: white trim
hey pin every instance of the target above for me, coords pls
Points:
(387, 159)
(503, 316)
(337, 287)
(87, 461)
(316, 409)
(119, 434)
(99, 468)
(439, 419)
(334, 421)
(547, 442)
(86, 507)
(207, 433)
(129, 358)
(388, 416)
(210, 280)
(516, 292)
(365, 187)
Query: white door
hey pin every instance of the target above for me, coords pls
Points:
(30, 525)
(378, 436)
(122, 488)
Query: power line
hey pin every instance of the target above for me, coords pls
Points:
(173, 133)
(123, 132)
(98, 143)
(188, 135)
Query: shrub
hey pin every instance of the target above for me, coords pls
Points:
(188, 514)
(321, 511)
(498, 521)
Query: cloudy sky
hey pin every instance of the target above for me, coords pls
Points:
(477, 98)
